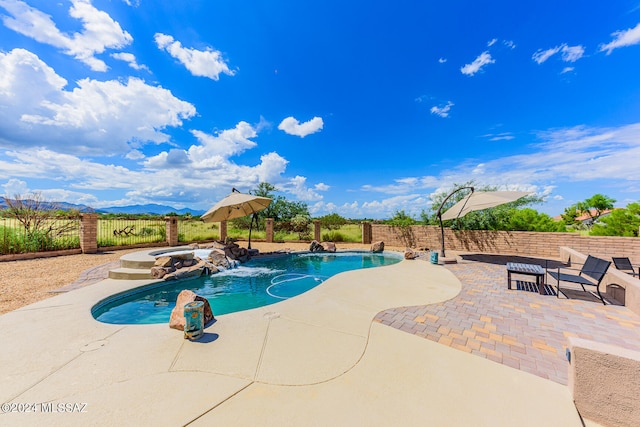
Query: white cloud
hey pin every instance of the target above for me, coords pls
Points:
(492, 42)
(130, 59)
(572, 53)
(482, 60)
(208, 163)
(403, 185)
(442, 60)
(99, 31)
(622, 38)
(93, 118)
(134, 155)
(321, 186)
(509, 43)
(226, 143)
(14, 187)
(298, 187)
(542, 55)
(195, 176)
(569, 53)
(567, 70)
(504, 136)
(571, 155)
(442, 111)
(203, 63)
(292, 126)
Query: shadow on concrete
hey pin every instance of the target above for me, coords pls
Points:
(207, 337)
(504, 259)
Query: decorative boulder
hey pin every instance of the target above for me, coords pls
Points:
(233, 251)
(316, 247)
(187, 272)
(410, 254)
(163, 261)
(218, 258)
(158, 272)
(184, 256)
(177, 320)
(377, 247)
(328, 246)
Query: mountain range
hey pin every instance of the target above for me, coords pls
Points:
(150, 209)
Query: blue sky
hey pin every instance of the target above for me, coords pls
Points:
(360, 108)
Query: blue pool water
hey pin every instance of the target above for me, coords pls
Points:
(259, 282)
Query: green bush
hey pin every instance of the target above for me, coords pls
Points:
(14, 242)
(333, 236)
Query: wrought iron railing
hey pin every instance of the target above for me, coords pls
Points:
(38, 233)
(122, 231)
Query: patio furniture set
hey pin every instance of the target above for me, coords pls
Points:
(591, 274)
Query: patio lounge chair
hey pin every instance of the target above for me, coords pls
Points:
(591, 274)
(624, 264)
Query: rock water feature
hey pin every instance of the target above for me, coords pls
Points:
(186, 265)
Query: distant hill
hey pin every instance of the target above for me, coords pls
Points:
(54, 206)
(150, 209)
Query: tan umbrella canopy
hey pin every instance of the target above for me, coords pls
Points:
(481, 200)
(475, 201)
(236, 205)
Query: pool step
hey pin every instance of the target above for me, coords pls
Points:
(137, 265)
(143, 264)
(124, 273)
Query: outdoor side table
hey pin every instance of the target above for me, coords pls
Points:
(528, 270)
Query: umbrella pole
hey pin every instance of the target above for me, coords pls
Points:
(250, 228)
(439, 213)
(442, 234)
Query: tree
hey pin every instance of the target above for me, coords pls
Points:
(332, 221)
(280, 209)
(34, 213)
(31, 210)
(528, 219)
(594, 207)
(300, 224)
(621, 222)
(570, 216)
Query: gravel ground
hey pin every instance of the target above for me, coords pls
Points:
(27, 281)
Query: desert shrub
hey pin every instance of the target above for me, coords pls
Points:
(333, 236)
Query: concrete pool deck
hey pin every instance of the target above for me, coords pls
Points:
(317, 359)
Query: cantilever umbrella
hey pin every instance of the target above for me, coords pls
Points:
(236, 205)
(476, 201)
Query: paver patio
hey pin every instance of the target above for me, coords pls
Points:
(517, 328)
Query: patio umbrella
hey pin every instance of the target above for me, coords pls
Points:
(476, 201)
(236, 205)
(481, 200)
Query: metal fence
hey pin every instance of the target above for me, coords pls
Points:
(123, 231)
(38, 234)
(194, 230)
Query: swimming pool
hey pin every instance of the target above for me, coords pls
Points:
(259, 282)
